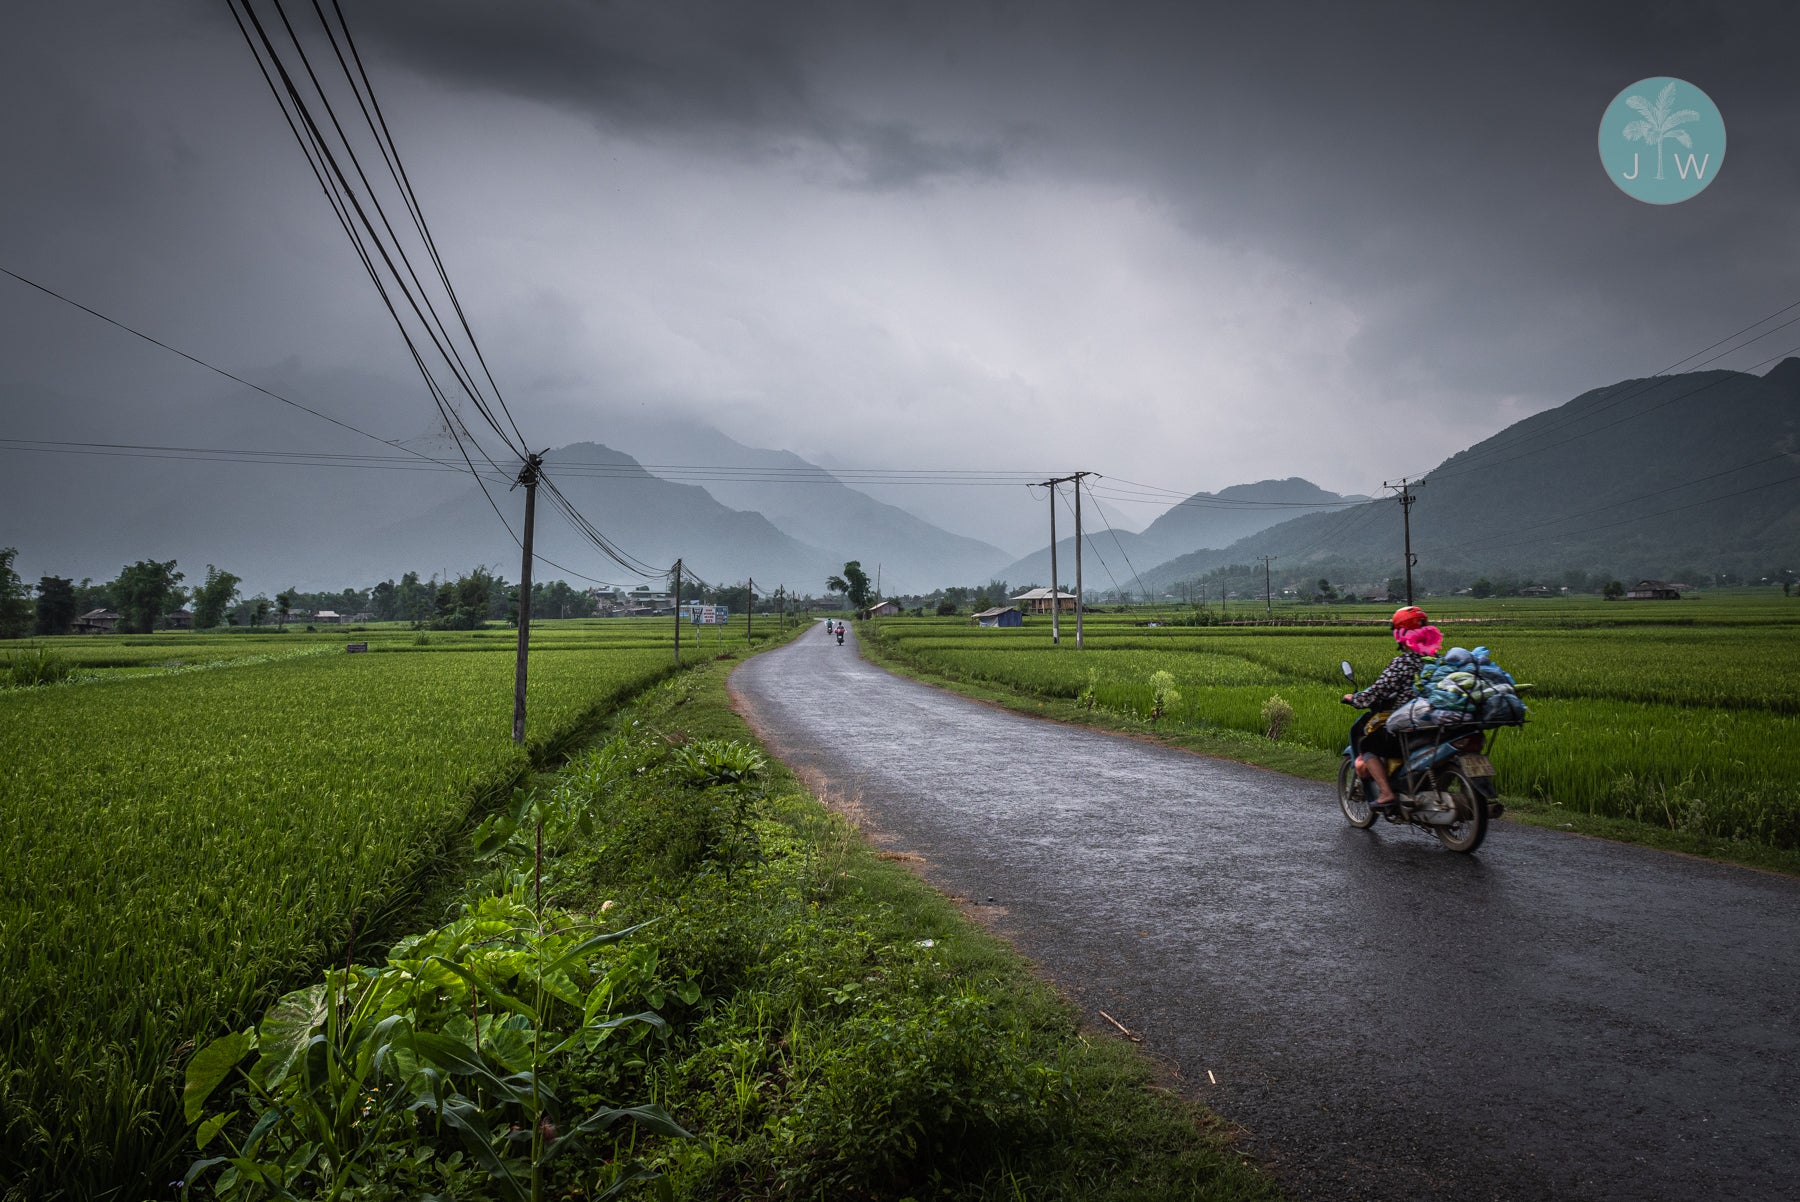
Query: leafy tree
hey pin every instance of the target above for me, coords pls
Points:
(1482, 588)
(946, 608)
(146, 591)
(259, 611)
(284, 605)
(854, 584)
(213, 598)
(15, 602)
(1396, 588)
(55, 605)
(1325, 591)
(91, 596)
(1613, 591)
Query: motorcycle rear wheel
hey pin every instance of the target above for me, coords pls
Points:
(1353, 796)
(1470, 827)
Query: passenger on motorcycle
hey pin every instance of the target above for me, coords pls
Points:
(1393, 688)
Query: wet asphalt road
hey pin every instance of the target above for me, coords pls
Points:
(1552, 1017)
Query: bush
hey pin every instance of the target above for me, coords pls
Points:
(1277, 716)
(38, 666)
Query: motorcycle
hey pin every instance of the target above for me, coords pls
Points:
(840, 634)
(1443, 781)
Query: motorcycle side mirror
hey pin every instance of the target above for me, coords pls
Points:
(1349, 672)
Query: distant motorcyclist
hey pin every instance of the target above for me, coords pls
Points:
(1370, 738)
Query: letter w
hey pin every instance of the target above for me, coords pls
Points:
(1699, 171)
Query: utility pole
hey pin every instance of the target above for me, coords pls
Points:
(1055, 589)
(528, 476)
(749, 604)
(677, 613)
(1080, 597)
(1268, 593)
(1406, 498)
(1055, 605)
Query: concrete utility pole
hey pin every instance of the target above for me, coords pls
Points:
(1055, 589)
(678, 613)
(1055, 608)
(1080, 596)
(1268, 593)
(1406, 499)
(528, 476)
(749, 604)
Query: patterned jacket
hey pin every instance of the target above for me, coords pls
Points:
(1394, 687)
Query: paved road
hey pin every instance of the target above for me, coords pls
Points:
(1552, 1017)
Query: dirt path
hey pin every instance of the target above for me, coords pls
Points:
(1553, 1017)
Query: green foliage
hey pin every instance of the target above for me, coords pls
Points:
(1163, 695)
(145, 591)
(1277, 716)
(854, 584)
(462, 1035)
(34, 666)
(15, 606)
(214, 597)
(56, 611)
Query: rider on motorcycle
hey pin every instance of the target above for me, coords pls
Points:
(1393, 688)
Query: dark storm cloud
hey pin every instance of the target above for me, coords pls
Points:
(1435, 161)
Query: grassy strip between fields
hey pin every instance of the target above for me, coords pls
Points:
(1314, 764)
(674, 973)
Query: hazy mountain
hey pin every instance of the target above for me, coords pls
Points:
(1669, 476)
(1204, 520)
(811, 505)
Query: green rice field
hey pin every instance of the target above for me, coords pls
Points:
(1682, 714)
(195, 822)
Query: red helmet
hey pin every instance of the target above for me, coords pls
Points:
(1409, 617)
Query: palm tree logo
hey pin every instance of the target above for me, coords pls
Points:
(1659, 121)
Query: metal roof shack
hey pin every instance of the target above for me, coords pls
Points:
(97, 621)
(1653, 590)
(1001, 615)
(1038, 600)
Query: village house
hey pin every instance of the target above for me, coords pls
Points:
(1653, 590)
(1039, 600)
(882, 609)
(97, 621)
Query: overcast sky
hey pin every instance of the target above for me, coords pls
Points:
(1180, 244)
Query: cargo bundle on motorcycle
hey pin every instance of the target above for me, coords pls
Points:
(1443, 783)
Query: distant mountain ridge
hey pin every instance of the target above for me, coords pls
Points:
(1203, 520)
(1661, 476)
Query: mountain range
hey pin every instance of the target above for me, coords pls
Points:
(1205, 519)
(1670, 475)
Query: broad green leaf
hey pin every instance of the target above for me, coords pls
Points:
(211, 1065)
(209, 1129)
(284, 1032)
(496, 996)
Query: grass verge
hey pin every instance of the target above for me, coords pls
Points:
(671, 930)
(1314, 764)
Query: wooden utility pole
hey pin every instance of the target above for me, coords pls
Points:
(1406, 499)
(749, 604)
(677, 613)
(528, 476)
(1268, 593)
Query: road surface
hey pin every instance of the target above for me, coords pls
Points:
(1552, 1017)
